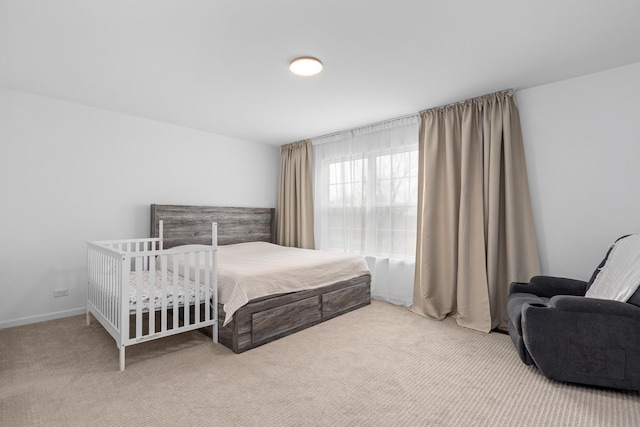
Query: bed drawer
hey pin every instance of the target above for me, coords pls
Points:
(278, 320)
(343, 300)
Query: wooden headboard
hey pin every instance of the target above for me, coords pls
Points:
(183, 225)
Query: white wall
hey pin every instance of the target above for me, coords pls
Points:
(70, 173)
(582, 142)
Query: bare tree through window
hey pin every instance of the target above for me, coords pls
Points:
(373, 203)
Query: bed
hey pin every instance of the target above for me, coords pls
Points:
(265, 318)
(138, 293)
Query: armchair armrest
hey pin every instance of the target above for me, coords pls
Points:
(595, 306)
(549, 286)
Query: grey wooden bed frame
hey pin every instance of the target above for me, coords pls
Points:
(266, 319)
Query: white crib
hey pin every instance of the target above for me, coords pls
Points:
(138, 291)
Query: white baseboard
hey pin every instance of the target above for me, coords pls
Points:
(42, 317)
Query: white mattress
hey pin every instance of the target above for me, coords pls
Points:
(179, 291)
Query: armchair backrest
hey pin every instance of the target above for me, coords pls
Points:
(635, 298)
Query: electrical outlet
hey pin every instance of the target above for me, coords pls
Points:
(61, 292)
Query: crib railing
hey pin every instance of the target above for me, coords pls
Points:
(134, 289)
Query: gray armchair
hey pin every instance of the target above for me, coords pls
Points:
(576, 339)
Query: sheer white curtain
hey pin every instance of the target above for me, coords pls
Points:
(365, 201)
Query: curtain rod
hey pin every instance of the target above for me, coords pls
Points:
(329, 135)
(477, 98)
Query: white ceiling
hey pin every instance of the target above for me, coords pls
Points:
(222, 65)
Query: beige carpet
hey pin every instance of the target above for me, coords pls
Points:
(380, 365)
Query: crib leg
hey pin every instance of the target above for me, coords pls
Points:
(88, 318)
(215, 332)
(122, 358)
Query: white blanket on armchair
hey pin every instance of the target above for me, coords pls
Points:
(619, 278)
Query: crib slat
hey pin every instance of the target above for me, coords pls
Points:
(185, 290)
(98, 259)
(117, 296)
(118, 289)
(96, 296)
(102, 301)
(138, 270)
(103, 283)
(174, 292)
(124, 270)
(90, 269)
(196, 285)
(163, 273)
(109, 286)
(207, 286)
(214, 269)
(152, 296)
(145, 260)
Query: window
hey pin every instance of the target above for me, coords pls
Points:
(372, 207)
(365, 201)
(366, 190)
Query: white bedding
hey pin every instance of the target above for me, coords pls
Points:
(248, 271)
(172, 291)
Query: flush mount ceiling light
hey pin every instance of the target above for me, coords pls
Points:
(305, 66)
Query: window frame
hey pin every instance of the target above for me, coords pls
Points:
(370, 179)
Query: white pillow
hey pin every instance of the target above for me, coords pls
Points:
(179, 251)
(619, 278)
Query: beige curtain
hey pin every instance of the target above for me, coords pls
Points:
(295, 196)
(475, 223)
